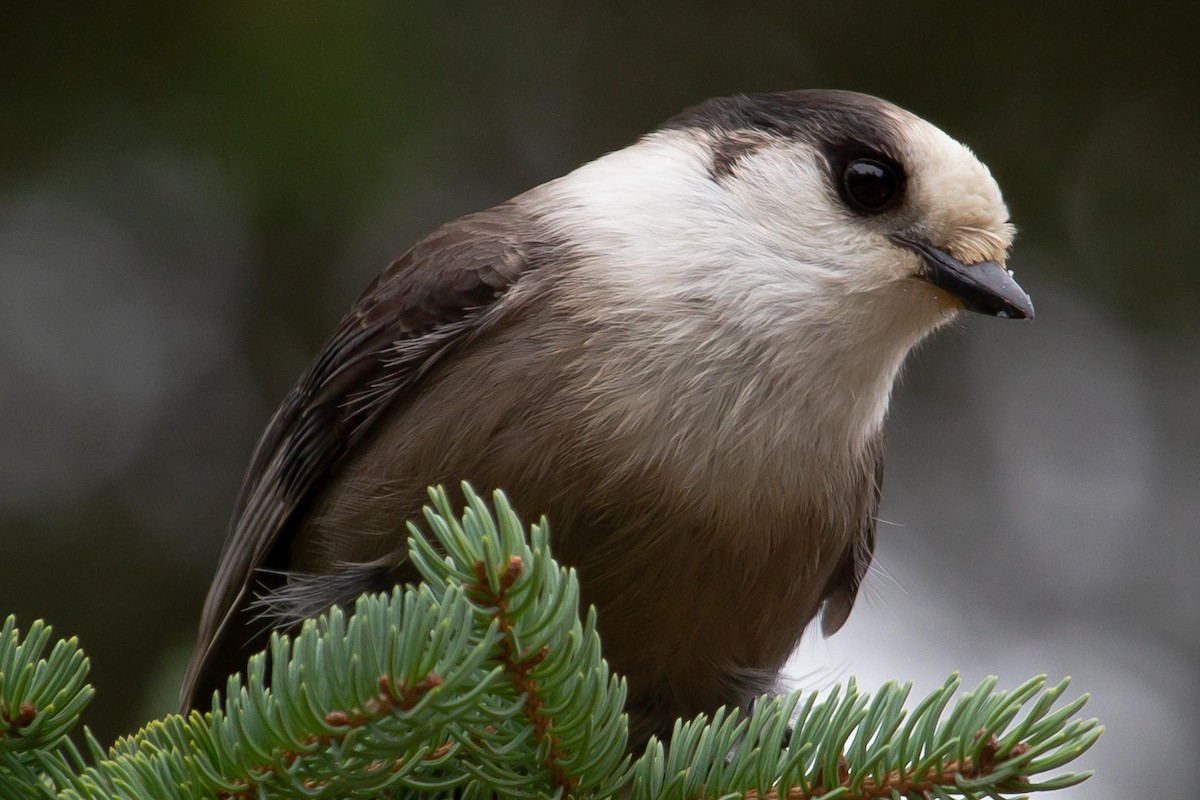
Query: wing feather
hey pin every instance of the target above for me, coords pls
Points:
(842, 589)
(428, 300)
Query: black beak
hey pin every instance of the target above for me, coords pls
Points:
(985, 287)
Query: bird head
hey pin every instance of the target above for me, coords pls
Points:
(798, 202)
(861, 196)
(808, 238)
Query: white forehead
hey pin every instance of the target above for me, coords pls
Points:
(954, 193)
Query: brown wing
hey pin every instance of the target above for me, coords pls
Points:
(426, 301)
(842, 588)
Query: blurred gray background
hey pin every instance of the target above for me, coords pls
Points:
(192, 194)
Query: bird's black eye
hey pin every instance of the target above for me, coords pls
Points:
(870, 186)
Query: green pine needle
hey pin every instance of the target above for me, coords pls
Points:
(483, 680)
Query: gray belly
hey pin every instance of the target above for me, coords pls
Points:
(695, 611)
(701, 593)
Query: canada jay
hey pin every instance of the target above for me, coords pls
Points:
(681, 353)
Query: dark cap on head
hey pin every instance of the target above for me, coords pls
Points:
(844, 125)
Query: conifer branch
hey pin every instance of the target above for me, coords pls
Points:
(484, 681)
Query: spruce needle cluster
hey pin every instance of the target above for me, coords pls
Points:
(484, 680)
